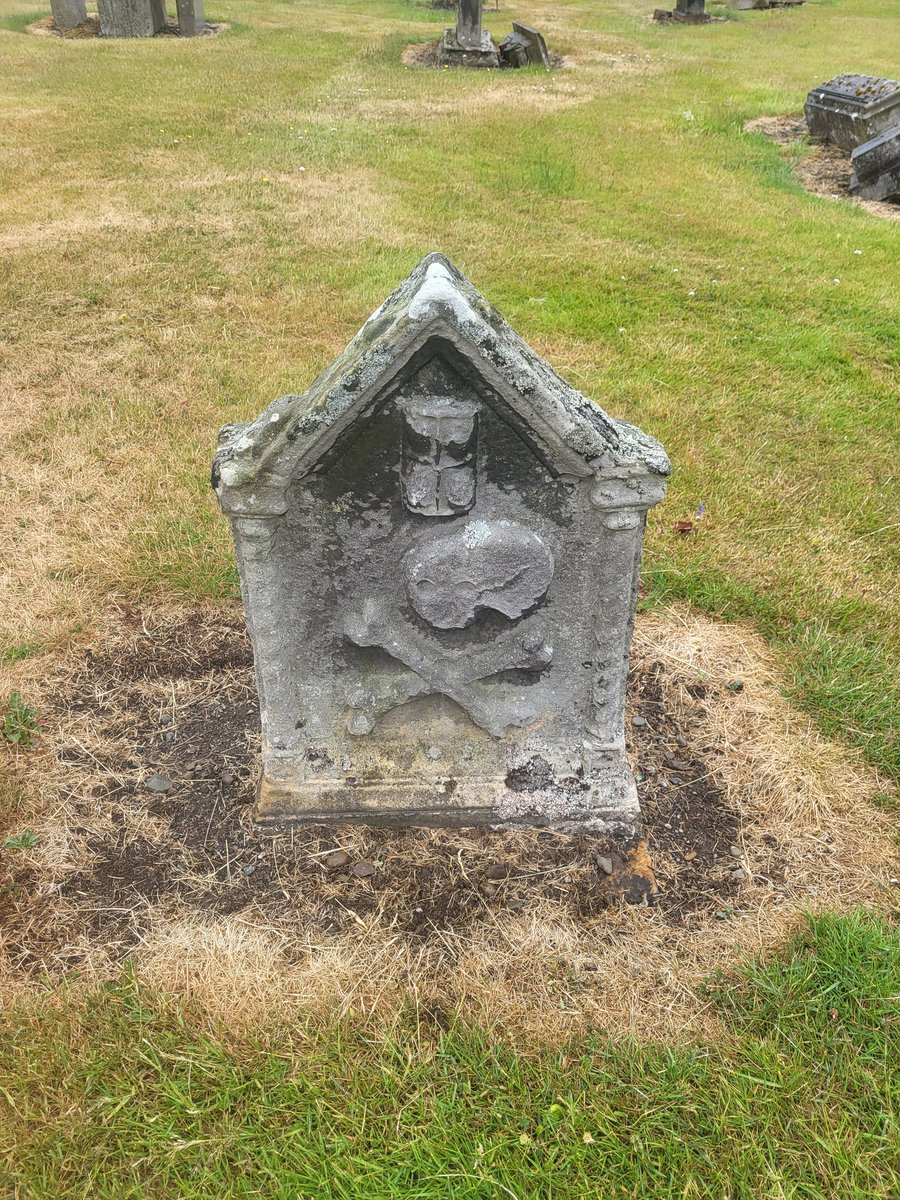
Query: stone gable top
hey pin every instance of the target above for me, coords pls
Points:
(434, 313)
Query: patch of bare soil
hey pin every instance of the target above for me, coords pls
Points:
(822, 170)
(143, 788)
(90, 28)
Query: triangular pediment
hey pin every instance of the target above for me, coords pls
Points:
(435, 313)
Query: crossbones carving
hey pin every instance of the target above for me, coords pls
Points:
(431, 671)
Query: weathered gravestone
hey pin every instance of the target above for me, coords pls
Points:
(67, 14)
(524, 47)
(876, 167)
(690, 12)
(191, 17)
(131, 18)
(851, 109)
(438, 545)
(468, 45)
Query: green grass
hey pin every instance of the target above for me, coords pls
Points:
(121, 1099)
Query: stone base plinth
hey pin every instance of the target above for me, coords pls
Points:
(452, 54)
(289, 794)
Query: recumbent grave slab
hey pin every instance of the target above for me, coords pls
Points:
(851, 109)
(438, 545)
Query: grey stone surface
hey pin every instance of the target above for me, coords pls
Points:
(131, 18)
(876, 167)
(438, 544)
(452, 54)
(191, 17)
(68, 13)
(468, 24)
(468, 45)
(514, 51)
(535, 44)
(690, 12)
(851, 109)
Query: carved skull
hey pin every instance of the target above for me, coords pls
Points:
(451, 577)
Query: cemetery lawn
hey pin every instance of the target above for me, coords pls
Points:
(188, 229)
(117, 1098)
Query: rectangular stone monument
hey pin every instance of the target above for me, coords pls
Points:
(876, 167)
(438, 545)
(468, 45)
(131, 18)
(536, 47)
(690, 12)
(851, 109)
(67, 14)
(191, 17)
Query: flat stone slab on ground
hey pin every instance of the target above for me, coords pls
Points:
(851, 109)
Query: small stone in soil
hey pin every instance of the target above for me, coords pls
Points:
(680, 740)
(690, 856)
(739, 875)
(169, 737)
(158, 783)
(227, 776)
(497, 871)
(638, 722)
(339, 859)
(362, 869)
(249, 869)
(736, 852)
(166, 719)
(605, 864)
(675, 764)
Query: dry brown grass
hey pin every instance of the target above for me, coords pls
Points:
(527, 955)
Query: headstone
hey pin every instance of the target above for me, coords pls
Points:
(690, 12)
(131, 18)
(468, 45)
(438, 545)
(851, 109)
(536, 46)
(876, 167)
(748, 5)
(191, 18)
(68, 13)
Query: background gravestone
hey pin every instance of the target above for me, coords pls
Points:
(131, 18)
(876, 167)
(691, 12)
(191, 17)
(468, 45)
(851, 109)
(438, 545)
(67, 14)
